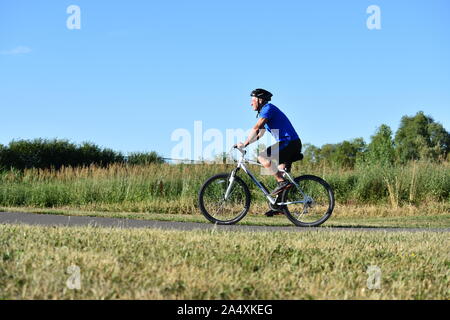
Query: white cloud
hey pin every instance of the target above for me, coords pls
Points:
(16, 50)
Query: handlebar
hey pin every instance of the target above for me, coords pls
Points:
(241, 150)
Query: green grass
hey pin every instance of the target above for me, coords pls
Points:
(415, 195)
(173, 189)
(155, 264)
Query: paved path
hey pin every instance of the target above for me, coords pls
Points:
(61, 220)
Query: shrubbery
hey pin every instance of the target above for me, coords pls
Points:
(174, 188)
(45, 154)
(418, 138)
(138, 158)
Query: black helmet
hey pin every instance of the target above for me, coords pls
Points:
(261, 93)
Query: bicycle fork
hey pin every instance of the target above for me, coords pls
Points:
(230, 185)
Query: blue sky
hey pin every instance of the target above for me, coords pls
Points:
(138, 70)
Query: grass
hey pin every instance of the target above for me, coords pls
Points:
(173, 189)
(156, 264)
(169, 192)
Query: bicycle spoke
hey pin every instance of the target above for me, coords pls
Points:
(217, 207)
(220, 206)
(316, 202)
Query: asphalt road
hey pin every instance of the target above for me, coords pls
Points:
(60, 220)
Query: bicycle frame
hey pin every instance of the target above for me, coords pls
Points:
(241, 165)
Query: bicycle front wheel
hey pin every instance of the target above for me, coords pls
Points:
(216, 208)
(311, 204)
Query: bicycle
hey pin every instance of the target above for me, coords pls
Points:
(225, 198)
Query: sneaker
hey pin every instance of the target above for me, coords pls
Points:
(282, 185)
(272, 213)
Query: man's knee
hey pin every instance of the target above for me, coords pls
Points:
(264, 161)
(268, 164)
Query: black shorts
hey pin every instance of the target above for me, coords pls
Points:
(284, 153)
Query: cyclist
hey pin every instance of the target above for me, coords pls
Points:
(288, 147)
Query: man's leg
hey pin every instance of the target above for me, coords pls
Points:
(274, 170)
(268, 164)
(278, 176)
(266, 158)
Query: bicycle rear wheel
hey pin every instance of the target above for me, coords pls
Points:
(215, 208)
(313, 203)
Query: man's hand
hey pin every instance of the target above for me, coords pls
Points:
(256, 133)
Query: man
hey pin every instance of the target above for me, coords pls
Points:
(288, 146)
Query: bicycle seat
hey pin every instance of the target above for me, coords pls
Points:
(297, 157)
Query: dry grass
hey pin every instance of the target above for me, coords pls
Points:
(155, 264)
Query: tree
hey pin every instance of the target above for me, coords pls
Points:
(311, 153)
(326, 153)
(440, 141)
(420, 137)
(381, 148)
(2, 156)
(144, 158)
(347, 152)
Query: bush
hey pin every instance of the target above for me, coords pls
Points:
(2, 156)
(46, 154)
(141, 158)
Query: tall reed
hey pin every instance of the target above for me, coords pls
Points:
(174, 188)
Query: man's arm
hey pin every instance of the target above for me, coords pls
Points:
(256, 132)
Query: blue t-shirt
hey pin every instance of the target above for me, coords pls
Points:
(278, 120)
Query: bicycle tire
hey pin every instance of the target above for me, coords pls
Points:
(327, 197)
(211, 217)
